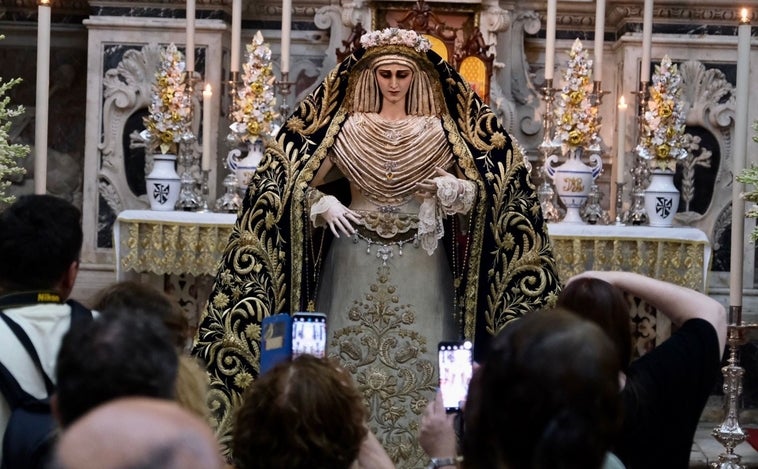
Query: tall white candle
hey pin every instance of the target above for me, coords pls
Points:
(647, 40)
(206, 159)
(190, 54)
(599, 37)
(552, 9)
(236, 34)
(740, 148)
(42, 98)
(286, 32)
(621, 139)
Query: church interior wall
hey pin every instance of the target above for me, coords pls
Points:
(686, 30)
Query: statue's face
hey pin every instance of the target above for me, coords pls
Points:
(394, 81)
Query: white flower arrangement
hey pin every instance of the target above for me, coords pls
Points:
(11, 154)
(396, 37)
(750, 176)
(576, 123)
(662, 140)
(170, 108)
(255, 112)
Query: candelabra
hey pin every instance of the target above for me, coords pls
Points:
(597, 93)
(189, 199)
(545, 190)
(637, 214)
(730, 433)
(204, 193)
(593, 212)
(232, 84)
(619, 203)
(284, 88)
(230, 201)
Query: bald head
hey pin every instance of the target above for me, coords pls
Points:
(138, 433)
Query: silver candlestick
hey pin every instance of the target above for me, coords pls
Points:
(619, 203)
(545, 191)
(730, 433)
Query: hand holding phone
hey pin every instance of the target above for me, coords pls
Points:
(456, 369)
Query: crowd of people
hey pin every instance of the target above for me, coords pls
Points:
(457, 248)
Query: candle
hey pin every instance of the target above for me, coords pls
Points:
(550, 39)
(599, 36)
(740, 148)
(621, 139)
(42, 97)
(236, 34)
(190, 54)
(647, 40)
(206, 159)
(286, 31)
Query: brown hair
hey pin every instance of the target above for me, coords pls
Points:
(605, 305)
(305, 413)
(547, 396)
(424, 95)
(138, 298)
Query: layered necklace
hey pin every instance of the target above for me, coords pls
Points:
(385, 159)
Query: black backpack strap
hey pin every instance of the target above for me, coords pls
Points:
(27, 343)
(11, 390)
(79, 312)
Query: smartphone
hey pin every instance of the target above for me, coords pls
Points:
(276, 340)
(309, 334)
(456, 368)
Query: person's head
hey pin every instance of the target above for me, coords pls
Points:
(605, 305)
(134, 297)
(313, 416)
(395, 67)
(110, 357)
(138, 433)
(547, 396)
(40, 243)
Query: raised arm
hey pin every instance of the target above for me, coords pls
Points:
(678, 303)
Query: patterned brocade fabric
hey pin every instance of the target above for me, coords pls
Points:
(269, 264)
(172, 248)
(673, 260)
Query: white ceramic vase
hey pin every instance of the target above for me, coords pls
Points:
(163, 183)
(573, 180)
(244, 168)
(661, 199)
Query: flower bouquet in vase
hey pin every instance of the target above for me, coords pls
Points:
(576, 131)
(166, 125)
(662, 142)
(254, 111)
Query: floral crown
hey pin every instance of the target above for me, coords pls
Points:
(396, 37)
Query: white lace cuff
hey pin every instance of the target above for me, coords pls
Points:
(430, 228)
(455, 195)
(324, 203)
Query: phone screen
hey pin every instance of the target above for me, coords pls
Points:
(309, 334)
(455, 364)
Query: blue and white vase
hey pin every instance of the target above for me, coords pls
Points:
(573, 180)
(163, 183)
(661, 198)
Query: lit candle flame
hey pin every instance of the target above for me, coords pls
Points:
(622, 103)
(208, 89)
(44, 2)
(745, 19)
